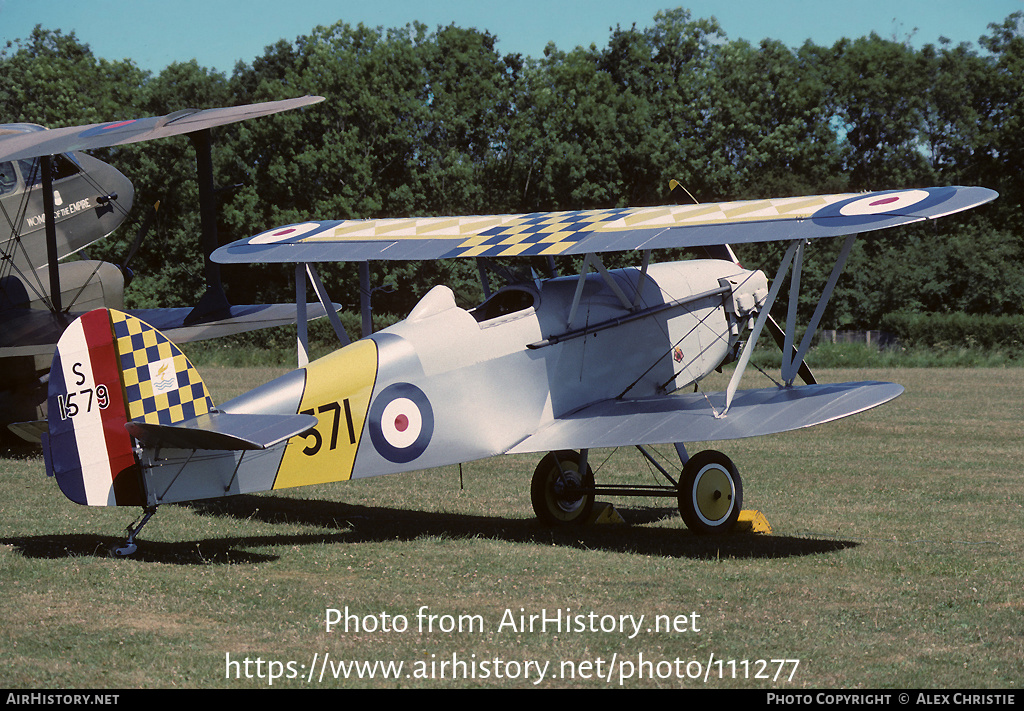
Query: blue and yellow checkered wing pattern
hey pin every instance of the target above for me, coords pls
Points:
(540, 234)
(161, 386)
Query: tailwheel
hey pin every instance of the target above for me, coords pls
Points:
(710, 493)
(560, 492)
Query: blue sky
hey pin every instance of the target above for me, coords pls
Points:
(217, 33)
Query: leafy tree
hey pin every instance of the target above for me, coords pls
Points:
(440, 122)
(1004, 131)
(772, 124)
(468, 95)
(878, 98)
(51, 78)
(958, 113)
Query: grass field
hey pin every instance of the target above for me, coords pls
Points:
(895, 561)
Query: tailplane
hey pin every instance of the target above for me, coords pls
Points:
(109, 369)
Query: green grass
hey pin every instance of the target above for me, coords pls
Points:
(894, 562)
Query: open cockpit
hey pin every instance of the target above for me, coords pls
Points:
(508, 300)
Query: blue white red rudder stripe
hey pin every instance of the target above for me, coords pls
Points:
(109, 368)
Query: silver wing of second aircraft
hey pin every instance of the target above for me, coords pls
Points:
(116, 133)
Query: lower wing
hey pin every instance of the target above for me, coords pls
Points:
(693, 417)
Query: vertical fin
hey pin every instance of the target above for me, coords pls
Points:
(109, 368)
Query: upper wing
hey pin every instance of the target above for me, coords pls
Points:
(101, 135)
(692, 417)
(583, 231)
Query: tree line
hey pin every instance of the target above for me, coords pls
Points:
(421, 121)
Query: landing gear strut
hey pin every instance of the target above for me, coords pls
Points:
(129, 546)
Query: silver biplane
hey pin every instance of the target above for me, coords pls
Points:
(56, 201)
(558, 366)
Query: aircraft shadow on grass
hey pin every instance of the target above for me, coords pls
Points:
(367, 524)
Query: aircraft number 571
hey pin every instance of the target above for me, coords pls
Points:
(318, 440)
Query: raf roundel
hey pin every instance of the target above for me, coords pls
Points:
(281, 234)
(879, 204)
(865, 209)
(401, 422)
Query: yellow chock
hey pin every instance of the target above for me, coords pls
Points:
(605, 513)
(753, 522)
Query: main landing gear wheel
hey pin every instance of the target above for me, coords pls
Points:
(710, 493)
(558, 490)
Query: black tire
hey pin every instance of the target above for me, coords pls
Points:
(557, 489)
(710, 493)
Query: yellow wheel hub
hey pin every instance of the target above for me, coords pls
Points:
(713, 494)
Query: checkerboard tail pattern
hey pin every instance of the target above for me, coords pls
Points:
(161, 386)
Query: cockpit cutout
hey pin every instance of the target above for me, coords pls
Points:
(509, 300)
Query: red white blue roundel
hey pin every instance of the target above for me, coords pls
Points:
(887, 202)
(401, 422)
(280, 234)
(869, 208)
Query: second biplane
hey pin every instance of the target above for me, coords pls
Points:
(559, 366)
(56, 201)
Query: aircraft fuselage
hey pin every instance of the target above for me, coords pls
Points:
(451, 385)
(91, 198)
